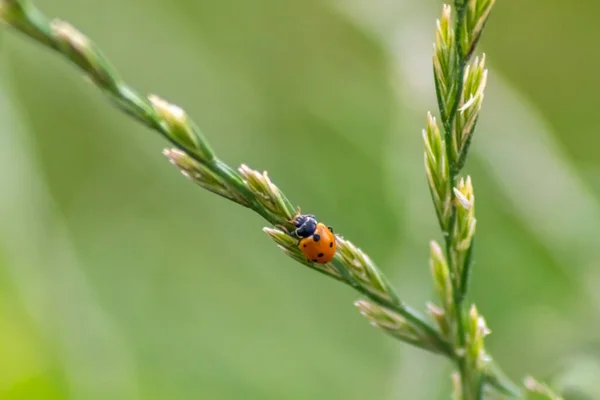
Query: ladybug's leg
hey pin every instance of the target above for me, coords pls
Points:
(301, 233)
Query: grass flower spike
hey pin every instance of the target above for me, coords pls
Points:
(464, 231)
(460, 85)
(438, 172)
(181, 130)
(453, 330)
(474, 15)
(443, 286)
(268, 195)
(445, 63)
(470, 102)
(396, 326)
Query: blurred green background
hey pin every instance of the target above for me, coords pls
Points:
(119, 279)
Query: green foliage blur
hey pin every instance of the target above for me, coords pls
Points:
(119, 279)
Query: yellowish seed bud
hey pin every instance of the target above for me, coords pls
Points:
(180, 129)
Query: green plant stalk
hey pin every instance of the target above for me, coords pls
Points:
(24, 17)
(464, 278)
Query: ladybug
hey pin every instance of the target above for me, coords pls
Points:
(317, 241)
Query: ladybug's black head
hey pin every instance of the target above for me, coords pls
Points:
(306, 224)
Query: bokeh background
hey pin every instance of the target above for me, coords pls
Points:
(119, 279)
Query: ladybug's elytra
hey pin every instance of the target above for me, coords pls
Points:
(317, 241)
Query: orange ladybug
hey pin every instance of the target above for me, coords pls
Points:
(317, 241)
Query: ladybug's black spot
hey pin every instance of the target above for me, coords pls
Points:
(330, 244)
(315, 260)
(330, 229)
(320, 255)
(316, 237)
(304, 245)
